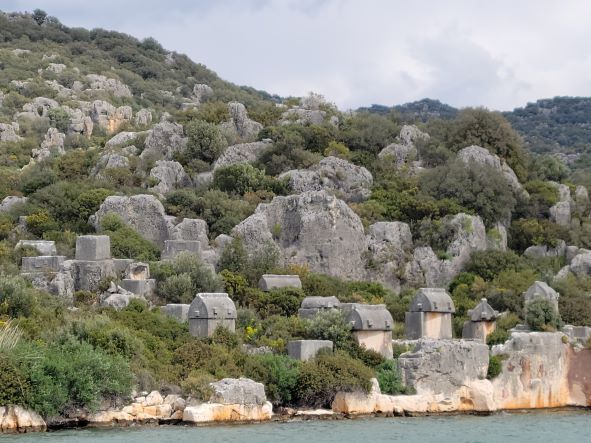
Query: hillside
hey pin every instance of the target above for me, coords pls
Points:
(189, 184)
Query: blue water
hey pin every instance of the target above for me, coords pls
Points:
(535, 427)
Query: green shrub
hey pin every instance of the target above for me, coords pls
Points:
(279, 301)
(488, 264)
(497, 337)
(390, 380)
(17, 298)
(16, 387)
(205, 142)
(126, 242)
(541, 315)
(495, 366)
(330, 325)
(321, 378)
(197, 385)
(238, 179)
(278, 373)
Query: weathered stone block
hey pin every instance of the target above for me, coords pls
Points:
(121, 265)
(273, 281)
(313, 305)
(172, 248)
(43, 263)
(138, 271)
(241, 391)
(93, 247)
(44, 247)
(306, 349)
(88, 275)
(435, 325)
(139, 287)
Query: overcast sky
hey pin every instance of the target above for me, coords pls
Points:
(499, 54)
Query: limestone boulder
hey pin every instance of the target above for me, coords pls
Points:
(201, 92)
(426, 269)
(443, 366)
(346, 180)
(238, 391)
(482, 156)
(190, 229)
(122, 138)
(242, 153)
(9, 132)
(164, 140)
(301, 116)
(313, 228)
(143, 117)
(142, 212)
(53, 143)
(169, 175)
(109, 161)
(240, 126)
(404, 150)
(15, 419)
(10, 202)
(389, 246)
(111, 85)
(217, 413)
(39, 107)
(108, 117)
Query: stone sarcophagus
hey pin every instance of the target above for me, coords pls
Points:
(210, 310)
(273, 281)
(371, 326)
(482, 322)
(313, 305)
(430, 315)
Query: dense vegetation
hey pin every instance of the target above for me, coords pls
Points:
(58, 360)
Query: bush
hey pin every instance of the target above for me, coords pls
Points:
(330, 325)
(17, 298)
(279, 374)
(205, 142)
(16, 387)
(489, 264)
(495, 366)
(540, 315)
(320, 379)
(238, 179)
(126, 242)
(197, 385)
(390, 380)
(279, 301)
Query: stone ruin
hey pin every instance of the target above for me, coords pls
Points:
(273, 281)
(91, 267)
(172, 248)
(481, 323)
(579, 334)
(210, 310)
(305, 350)
(313, 305)
(371, 326)
(430, 315)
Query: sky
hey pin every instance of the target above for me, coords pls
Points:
(498, 54)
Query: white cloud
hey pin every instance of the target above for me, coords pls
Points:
(498, 54)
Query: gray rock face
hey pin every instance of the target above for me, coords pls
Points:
(39, 107)
(170, 176)
(301, 116)
(109, 161)
(239, 124)
(114, 86)
(10, 202)
(581, 264)
(53, 143)
(390, 246)
(9, 132)
(121, 139)
(201, 92)
(443, 366)
(484, 157)
(43, 247)
(165, 140)
(143, 117)
(241, 391)
(191, 229)
(108, 117)
(242, 153)
(546, 251)
(425, 269)
(142, 212)
(346, 180)
(404, 150)
(80, 123)
(561, 212)
(314, 228)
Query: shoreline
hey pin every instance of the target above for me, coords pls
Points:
(302, 416)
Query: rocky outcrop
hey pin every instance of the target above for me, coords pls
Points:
(110, 85)
(109, 161)
(240, 126)
(541, 251)
(300, 116)
(165, 140)
(108, 117)
(390, 247)
(53, 143)
(482, 156)
(9, 132)
(10, 202)
(541, 370)
(38, 108)
(170, 175)
(143, 117)
(346, 180)
(242, 153)
(404, 150)
(142, 212)
(561, 212)
(313, 228)
(15, 419)
(122, 138)
(232, 400)
(426, 269)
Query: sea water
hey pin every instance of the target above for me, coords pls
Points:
(529, 427)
